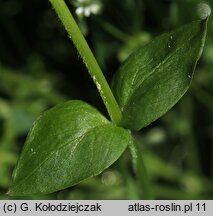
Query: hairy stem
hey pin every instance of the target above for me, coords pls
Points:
(89, 59)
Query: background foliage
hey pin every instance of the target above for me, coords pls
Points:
(39, 68)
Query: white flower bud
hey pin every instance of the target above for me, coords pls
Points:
(203, 10)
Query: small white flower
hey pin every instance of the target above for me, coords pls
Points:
(95, 8)
(87, 11)
(79, 11)
(87, 7)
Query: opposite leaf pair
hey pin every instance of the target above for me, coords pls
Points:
(73, 141)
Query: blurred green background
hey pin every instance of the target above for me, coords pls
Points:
(39, 68)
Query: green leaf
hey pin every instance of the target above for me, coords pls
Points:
(157, 75)
(66, 145)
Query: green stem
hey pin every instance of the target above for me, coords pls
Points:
(89, 59)
(193, 160)
(141, 171)
(8, 132)
(115, 32)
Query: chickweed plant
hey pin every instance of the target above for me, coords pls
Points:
(74, 141)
